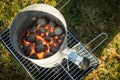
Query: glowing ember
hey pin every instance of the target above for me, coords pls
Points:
(26, 42)
(43, 39)
(40, 55)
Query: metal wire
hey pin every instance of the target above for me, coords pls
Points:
(60, 72)
(67, 72)
(102, 34)
(62, 5)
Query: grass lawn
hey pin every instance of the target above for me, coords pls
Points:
(86, 19)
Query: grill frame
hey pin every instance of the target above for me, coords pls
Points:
(65, 67)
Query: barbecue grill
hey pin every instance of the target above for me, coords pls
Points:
(66, 70)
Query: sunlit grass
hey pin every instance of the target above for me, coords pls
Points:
(109, 62)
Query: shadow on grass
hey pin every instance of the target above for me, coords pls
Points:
(87, 19)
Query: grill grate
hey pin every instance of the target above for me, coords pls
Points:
(66, 70)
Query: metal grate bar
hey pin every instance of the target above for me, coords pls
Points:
(67, 72)
(49, 74)
(42, 71)
(87, 71)
(2, 37)
(46, 72)
(59, 72)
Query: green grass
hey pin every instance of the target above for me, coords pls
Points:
(86, 19)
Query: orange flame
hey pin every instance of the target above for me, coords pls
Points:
(40, 55)
(42, 34)
(28, 33)
(56, 37)
(46, 27)
(48, 50)
(51, 42)
(60, 41)
(38, 27)
(55, 44)
(43, 41)
(51, 29)
(26, 42)
(32, 49)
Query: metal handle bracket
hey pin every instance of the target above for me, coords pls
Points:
(62, 5)
(102, 34)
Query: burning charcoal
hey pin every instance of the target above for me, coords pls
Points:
(27, 50)
(51, 23)
(51, 45)
(47, 38)
(34, 23)
(58, 31)
(55, 40)
(42, 30)
(38, 32)
(33, 56)
(31, 38)
(48, 55)
(32, 30)
(53, 49)
(51, 34)
(38, 42)
(39, 48)
(45, 46)
(41, 22)
(59, 44)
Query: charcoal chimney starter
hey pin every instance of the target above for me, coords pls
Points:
(30, 28)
